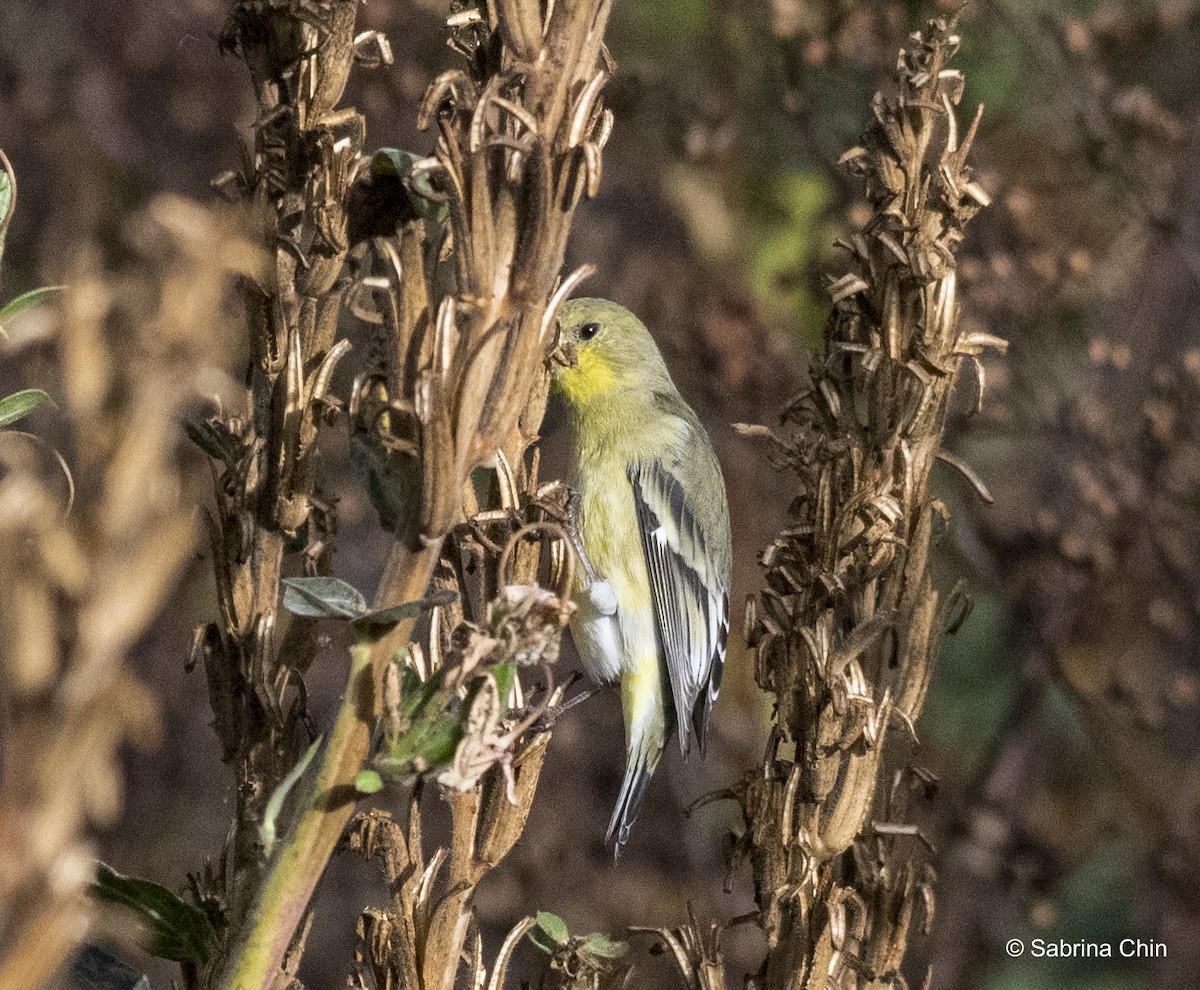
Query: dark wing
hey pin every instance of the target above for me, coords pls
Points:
(689, 584)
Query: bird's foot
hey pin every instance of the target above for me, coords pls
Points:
(551, 715)
(589, 571)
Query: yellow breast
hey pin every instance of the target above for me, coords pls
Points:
(591, 377)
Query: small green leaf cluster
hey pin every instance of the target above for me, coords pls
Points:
(423, 720)
(452, 721)
(578, 955)
(422, 731)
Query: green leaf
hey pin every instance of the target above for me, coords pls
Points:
(322, 598)
(423, 734)
(381, 621)
(368, 782)
(483, 481)
(26, 300)
(542, 941)
(20, 404)
(6, 197)
(175, 930)
(554, 928)
(267, 829)
(505, 675)
(428, 744)
(394, 162)
(599, 944)
(415, 693)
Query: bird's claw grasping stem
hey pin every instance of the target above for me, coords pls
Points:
(551, 715)
(576, 542)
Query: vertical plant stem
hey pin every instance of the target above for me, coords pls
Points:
(294, 871)
(518, 140)
(294, 186)
(848, 629)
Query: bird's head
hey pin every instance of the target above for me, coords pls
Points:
(603, 349)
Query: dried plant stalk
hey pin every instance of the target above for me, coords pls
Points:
(466, 316)
(79, 585)
(847, 631)
(519, 139)
(294, 183)
(420, 938)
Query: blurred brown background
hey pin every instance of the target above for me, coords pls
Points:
(1063, 720)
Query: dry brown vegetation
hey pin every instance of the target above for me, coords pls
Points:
(376, 327)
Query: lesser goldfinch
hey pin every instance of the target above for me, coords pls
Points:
(653, 529)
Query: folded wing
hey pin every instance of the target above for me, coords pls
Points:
(690, 588)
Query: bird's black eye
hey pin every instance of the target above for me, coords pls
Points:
(588, 331)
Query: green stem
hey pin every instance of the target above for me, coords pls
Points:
(256, 956)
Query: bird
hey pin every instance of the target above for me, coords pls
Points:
(649, 519)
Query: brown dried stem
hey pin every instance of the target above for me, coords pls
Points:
(466, 324)
(846, 633)
(519, 137)
(294, 182)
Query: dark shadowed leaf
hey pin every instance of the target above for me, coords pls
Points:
(542, 941)
(94, 969)
(214, 439)
(397, 163)
(175, 930)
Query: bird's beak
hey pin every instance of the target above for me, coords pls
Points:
(564, 356)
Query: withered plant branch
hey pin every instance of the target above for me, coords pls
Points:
(847, 631)
(294, 183)
(293, 872)
(519, 139)
(419, 939)
(466, 316)
(695, 951)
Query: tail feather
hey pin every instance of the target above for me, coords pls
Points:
(639, 766)
(644, 706)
